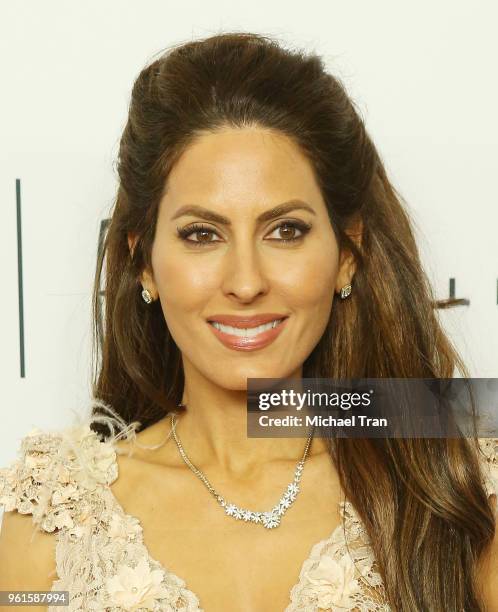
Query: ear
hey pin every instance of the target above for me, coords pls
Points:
(145, 278)
(132, 241)
(347, 263)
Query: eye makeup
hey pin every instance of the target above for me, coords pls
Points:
(199, 228)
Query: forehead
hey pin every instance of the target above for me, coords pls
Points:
(250, 168)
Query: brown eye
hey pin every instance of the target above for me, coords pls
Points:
(202, 235)
(200, 230)
(287, 230)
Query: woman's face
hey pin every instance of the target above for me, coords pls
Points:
(244, 267)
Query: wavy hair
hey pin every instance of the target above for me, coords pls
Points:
(421, 500)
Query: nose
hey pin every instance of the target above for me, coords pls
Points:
(244, 276)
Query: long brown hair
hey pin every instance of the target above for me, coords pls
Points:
(421, 500)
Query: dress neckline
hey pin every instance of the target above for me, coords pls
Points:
(316, 550)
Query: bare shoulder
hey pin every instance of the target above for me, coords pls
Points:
(27, 555)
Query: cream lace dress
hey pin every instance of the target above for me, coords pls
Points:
(62, 478)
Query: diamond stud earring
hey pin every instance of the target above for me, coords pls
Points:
(345, 291)
(147, 296)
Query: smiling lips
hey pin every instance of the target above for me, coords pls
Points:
(247, 333)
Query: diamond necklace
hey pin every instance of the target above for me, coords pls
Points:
(269, 519)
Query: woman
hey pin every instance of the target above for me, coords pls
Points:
(251, 194)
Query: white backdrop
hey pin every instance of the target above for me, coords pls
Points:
(423, 75)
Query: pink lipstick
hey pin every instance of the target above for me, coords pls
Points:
(247, 333)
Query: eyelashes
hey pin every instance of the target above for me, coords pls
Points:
(198, 228)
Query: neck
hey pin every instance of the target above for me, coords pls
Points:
(212, 429)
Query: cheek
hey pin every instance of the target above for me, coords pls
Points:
(181, 282)
(310, 280)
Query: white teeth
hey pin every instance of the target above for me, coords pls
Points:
(245, 332)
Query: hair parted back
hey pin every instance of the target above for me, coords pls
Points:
(421, 500)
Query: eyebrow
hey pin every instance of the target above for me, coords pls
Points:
(272, 213)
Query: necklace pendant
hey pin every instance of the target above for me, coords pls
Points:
(233, 510)
(247, 515)
(271, 519)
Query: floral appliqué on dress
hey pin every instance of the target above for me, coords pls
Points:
(63, 480)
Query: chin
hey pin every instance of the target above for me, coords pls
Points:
(237, 380)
